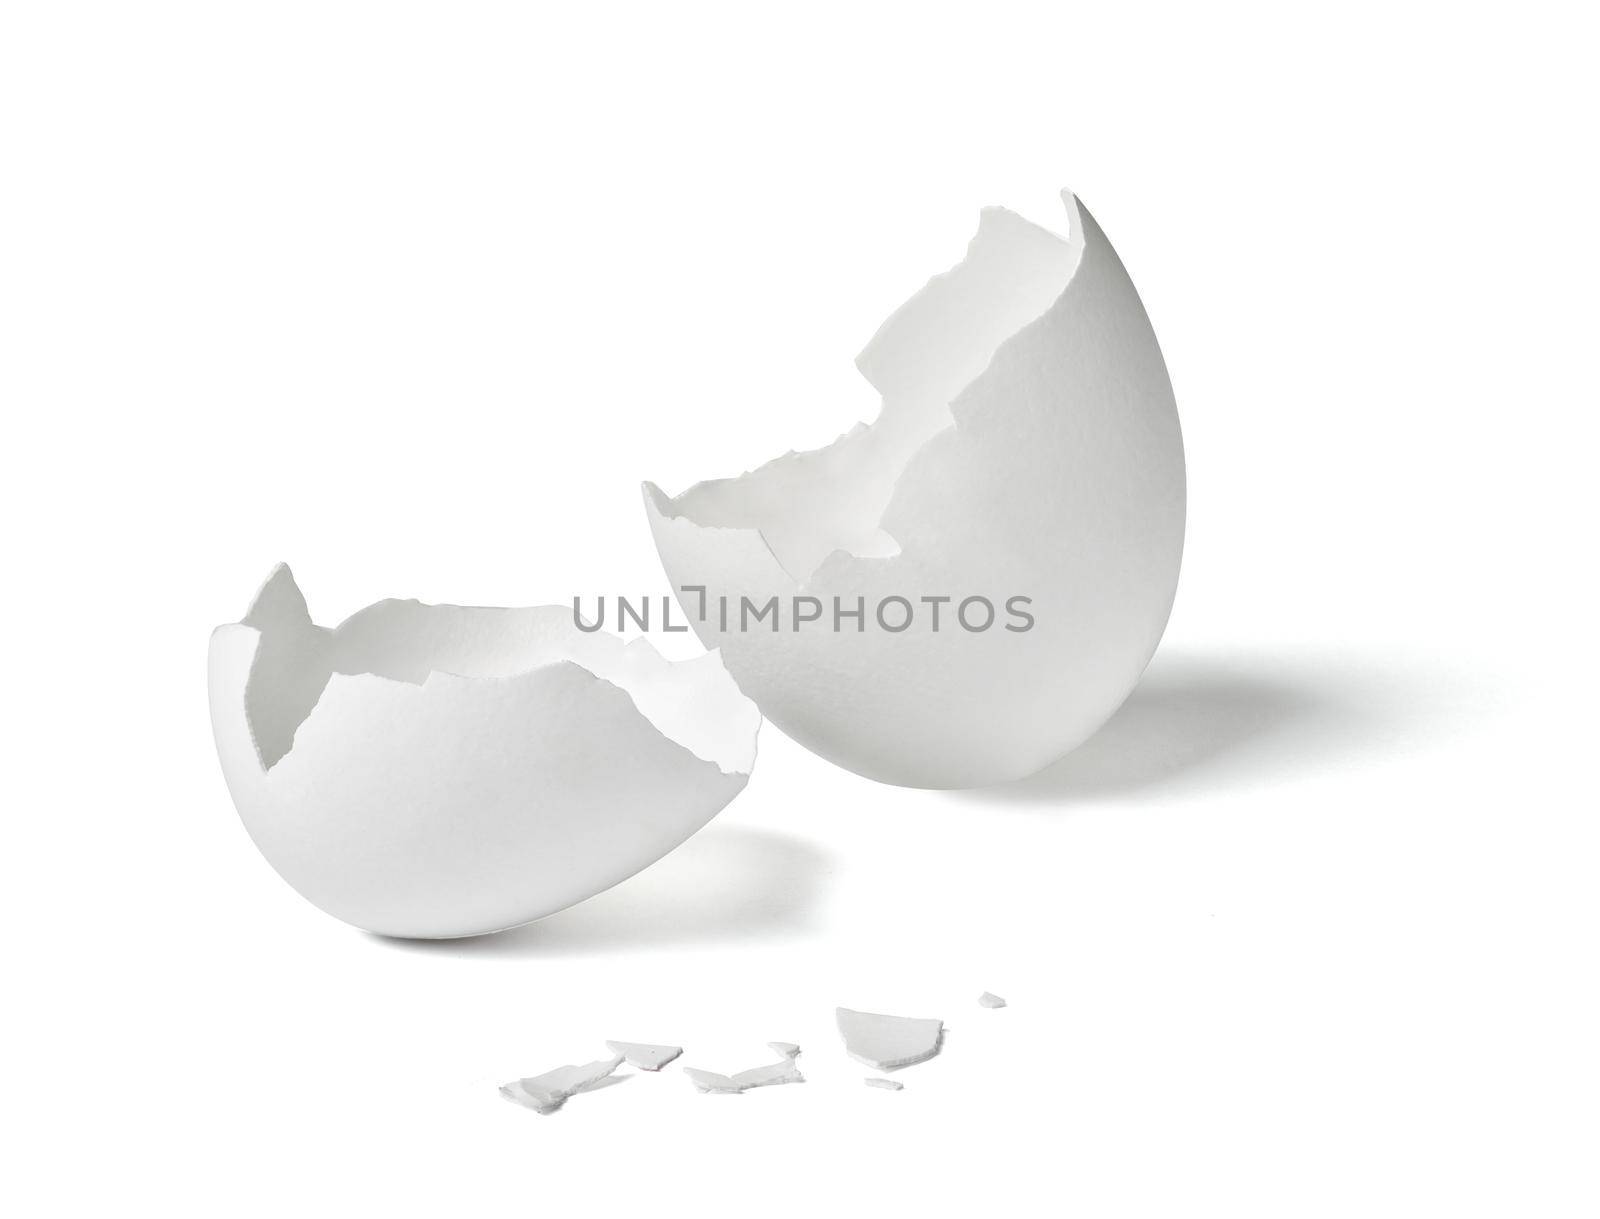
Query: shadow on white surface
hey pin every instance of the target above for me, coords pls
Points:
(1206, 725)
(727, 883)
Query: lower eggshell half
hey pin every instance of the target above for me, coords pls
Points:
(456, 807)
(1061, 479)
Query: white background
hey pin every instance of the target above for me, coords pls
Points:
(413, 296)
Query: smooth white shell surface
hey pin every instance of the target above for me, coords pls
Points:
(888, 1042)
(1028, 446)
(438, 771)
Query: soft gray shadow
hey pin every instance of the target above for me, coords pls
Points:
(727, 883)
(1230, 722)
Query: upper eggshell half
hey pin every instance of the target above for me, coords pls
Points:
(1028, 446)
(439, 771)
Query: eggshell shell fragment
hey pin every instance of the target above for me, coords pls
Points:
(643, 1056)
(784, 1072)
(1028, 446)
(439, 771)
(548, 1092)
(888, 1042)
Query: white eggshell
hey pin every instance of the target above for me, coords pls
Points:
(435, 771)
(1028, 445)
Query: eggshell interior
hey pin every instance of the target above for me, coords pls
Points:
(437, 771)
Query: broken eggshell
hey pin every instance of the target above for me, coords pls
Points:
(434, 771)
(548, 1092)
(889, 1042)
(783, 1072)
(1028, 446)
(643, 1056)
